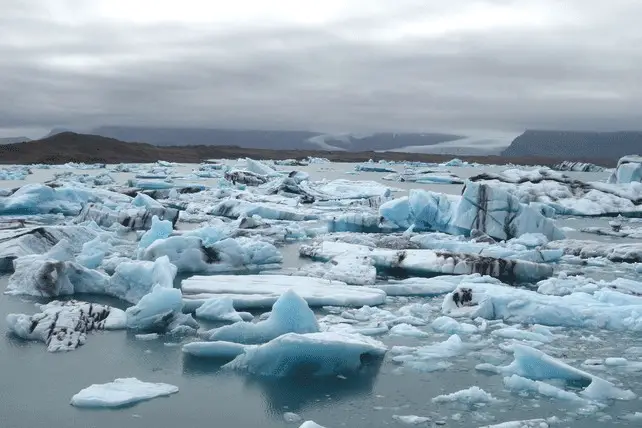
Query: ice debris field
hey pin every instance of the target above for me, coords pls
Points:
(528, 280)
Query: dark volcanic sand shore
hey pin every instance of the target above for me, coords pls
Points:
(72, 147)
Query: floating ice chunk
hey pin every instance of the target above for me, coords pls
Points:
(429, 263)
(262, 291)
(519, 334)
(63, 326)
(618, 253)
(530, 240)
(372, 167)
(407, 330)
(349, 189)
(221, 309)
(189, 254)
(120, 392)
(353, 270)
(324, 353)
(536, 365)
(635, 417)
(148, 336)
(424, 358)
(470, 396)
(310, 424)
(145, 201)
(260, 168)
(527, 423)
(445, 324)
(134, 218)
(518, 384)
(93, 253)
(222, 350)
(235, 208)
(411, 419)
(156, 310)
(435, 286)
(39, 240)
(290, 417)
(160, 229)
(290, 314)
(629, 170)
(132, 280)
(360, 223)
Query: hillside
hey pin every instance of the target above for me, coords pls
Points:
(573, 145)
(72, 147)
(11, 140)
(270, 140)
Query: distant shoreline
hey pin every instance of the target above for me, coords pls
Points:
(72, 147)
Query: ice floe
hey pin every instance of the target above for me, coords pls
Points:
(629, 169)
(262, 291)
(121, 392)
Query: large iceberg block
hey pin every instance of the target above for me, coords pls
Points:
(39, 240)
(290, 314)
(247, 178)
(189, 254)
(617, 253)
(534, 364)
(159, 311)
(160, 229)
(605, 309)
(262, 291)
(482, 208)
(221, 309)
(429, 263)
(324, 354)
(63, 326)
(221, 350)
(235, 208)
(120, 392)
(134, 218)
(629, 170)
(132, 280)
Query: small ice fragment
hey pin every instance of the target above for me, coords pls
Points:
(120, 392)
(290, 417)
(472, 395)
(411, 419)
(150, 336)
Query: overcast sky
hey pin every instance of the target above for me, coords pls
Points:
(331, 65)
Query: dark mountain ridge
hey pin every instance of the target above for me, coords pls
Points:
(576, 145)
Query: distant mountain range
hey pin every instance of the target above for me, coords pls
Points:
(575, 145)
(270, 140)
(12, 140)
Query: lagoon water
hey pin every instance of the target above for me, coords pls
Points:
(36, 386)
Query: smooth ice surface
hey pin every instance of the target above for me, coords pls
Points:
(262, 291)
(218, 349)
(121, 392)
(324, 353)
(290, 314)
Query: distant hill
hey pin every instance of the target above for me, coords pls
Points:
(11, 140)
(73, 147)
(575, 145)
(270, 140)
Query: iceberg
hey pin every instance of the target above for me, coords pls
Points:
(260, 168)
(247, 178)
(63, 326)
(120, 392)
(310, 424)
(555, 192)
(290, 314)
(160, 229)
(159, 311)
(617, 253)
(373, 167)
(534, 364)
(605, 309)
(221, 350)
(351, 270)
(577, 167)
(486, 209)
(134, 279)
(321, 354)
(190, 255)
(262, 291)
(134, 218)
(519, 384)
(470, 396)
(235, 208)
(629, 170)
(221, 309)
(428, 262)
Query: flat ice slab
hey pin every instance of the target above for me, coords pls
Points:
(121, 392)
(261, 291)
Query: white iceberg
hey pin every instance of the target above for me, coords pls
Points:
(120, 392)
(290, 314)
(221, 309)
(472, 395)
(629, 170)
(322, 354)
(262, 291)
(134, 279)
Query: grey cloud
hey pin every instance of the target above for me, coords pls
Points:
(583, 75)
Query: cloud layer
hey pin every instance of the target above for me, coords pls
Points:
(378, 65)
